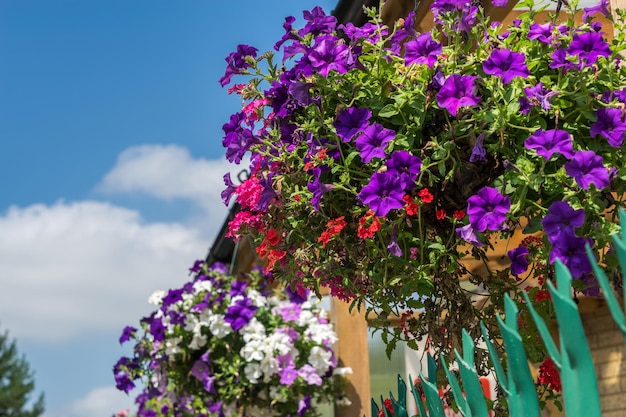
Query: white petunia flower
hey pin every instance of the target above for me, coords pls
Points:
(171, 346)
(319, 358)
(253, 351)
(253, 372)
(343, 371)
(156, 298)
(198, 341)
(199, 286)
(257, 298)
(218, 326)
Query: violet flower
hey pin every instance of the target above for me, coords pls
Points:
(609, 124)
(570, 249)
(240, 313)
(236, 62)
(351, 121)
(588, 46)
(230, 189)
(382, 194)
(318, 22)
(318, 188)
(289, 32)
(393, 246)
(562, 218)
(422, 50)
(519, 261)
(328, 54)
(406, 166)
(468, 234)
(551, 141)
(541, 32)
(478, 152)
(559, 60)
(371, 144)
(127, 333)
(457, 90)
(602, 7)
(506, 64)
(487, 209)
(586, 168)
(537, 95)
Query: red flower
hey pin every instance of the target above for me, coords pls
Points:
(388, 406)
(364, 231)
(459, 214)
(441, 214)
(333, 227)
(411, 207)
(425, 195)
(549, 375)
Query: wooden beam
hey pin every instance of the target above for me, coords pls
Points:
(352, 351)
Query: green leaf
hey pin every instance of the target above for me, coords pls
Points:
(388, 111)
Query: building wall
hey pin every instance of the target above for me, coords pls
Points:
(608, 349)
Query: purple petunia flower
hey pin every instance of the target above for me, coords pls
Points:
(351, 121)
(406, 166)
(602, 7)
(237, 139)
(586, 168)
(309, 374)
(303, 405)
(290, 312)
(559, 60)
(383, 193)
(368, 31)
(318, 22)
(506, 64)
(318, 188)
(478, 152)
(240, 313)
(609, 124)
(588, 46)
(541, 32)
(124, 383)
(519, 261)
(157, 330)
(127, 333)
(537, 95)
(468, 234)
(288, 374)
(289, 32)
(562, 218)
(371, 144)
(487, 209)
(393, 246)
(202, 372)
(457, 90)
(549, 142)
(236, 62)
(570, 249)
(423, 50)
(329, 53)
(230, 189)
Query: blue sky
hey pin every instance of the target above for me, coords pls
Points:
(110, 167)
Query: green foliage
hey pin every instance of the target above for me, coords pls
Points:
(16, 383)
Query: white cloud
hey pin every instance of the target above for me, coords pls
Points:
(86, 266)
(100, 402)
(169, 172)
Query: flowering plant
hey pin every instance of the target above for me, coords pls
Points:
(384, 161)
(226, 346)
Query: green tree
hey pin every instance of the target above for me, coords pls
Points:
(16, 383)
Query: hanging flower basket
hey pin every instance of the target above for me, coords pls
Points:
(224, 346)
(383, 159)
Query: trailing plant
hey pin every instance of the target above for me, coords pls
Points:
(384, 161)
